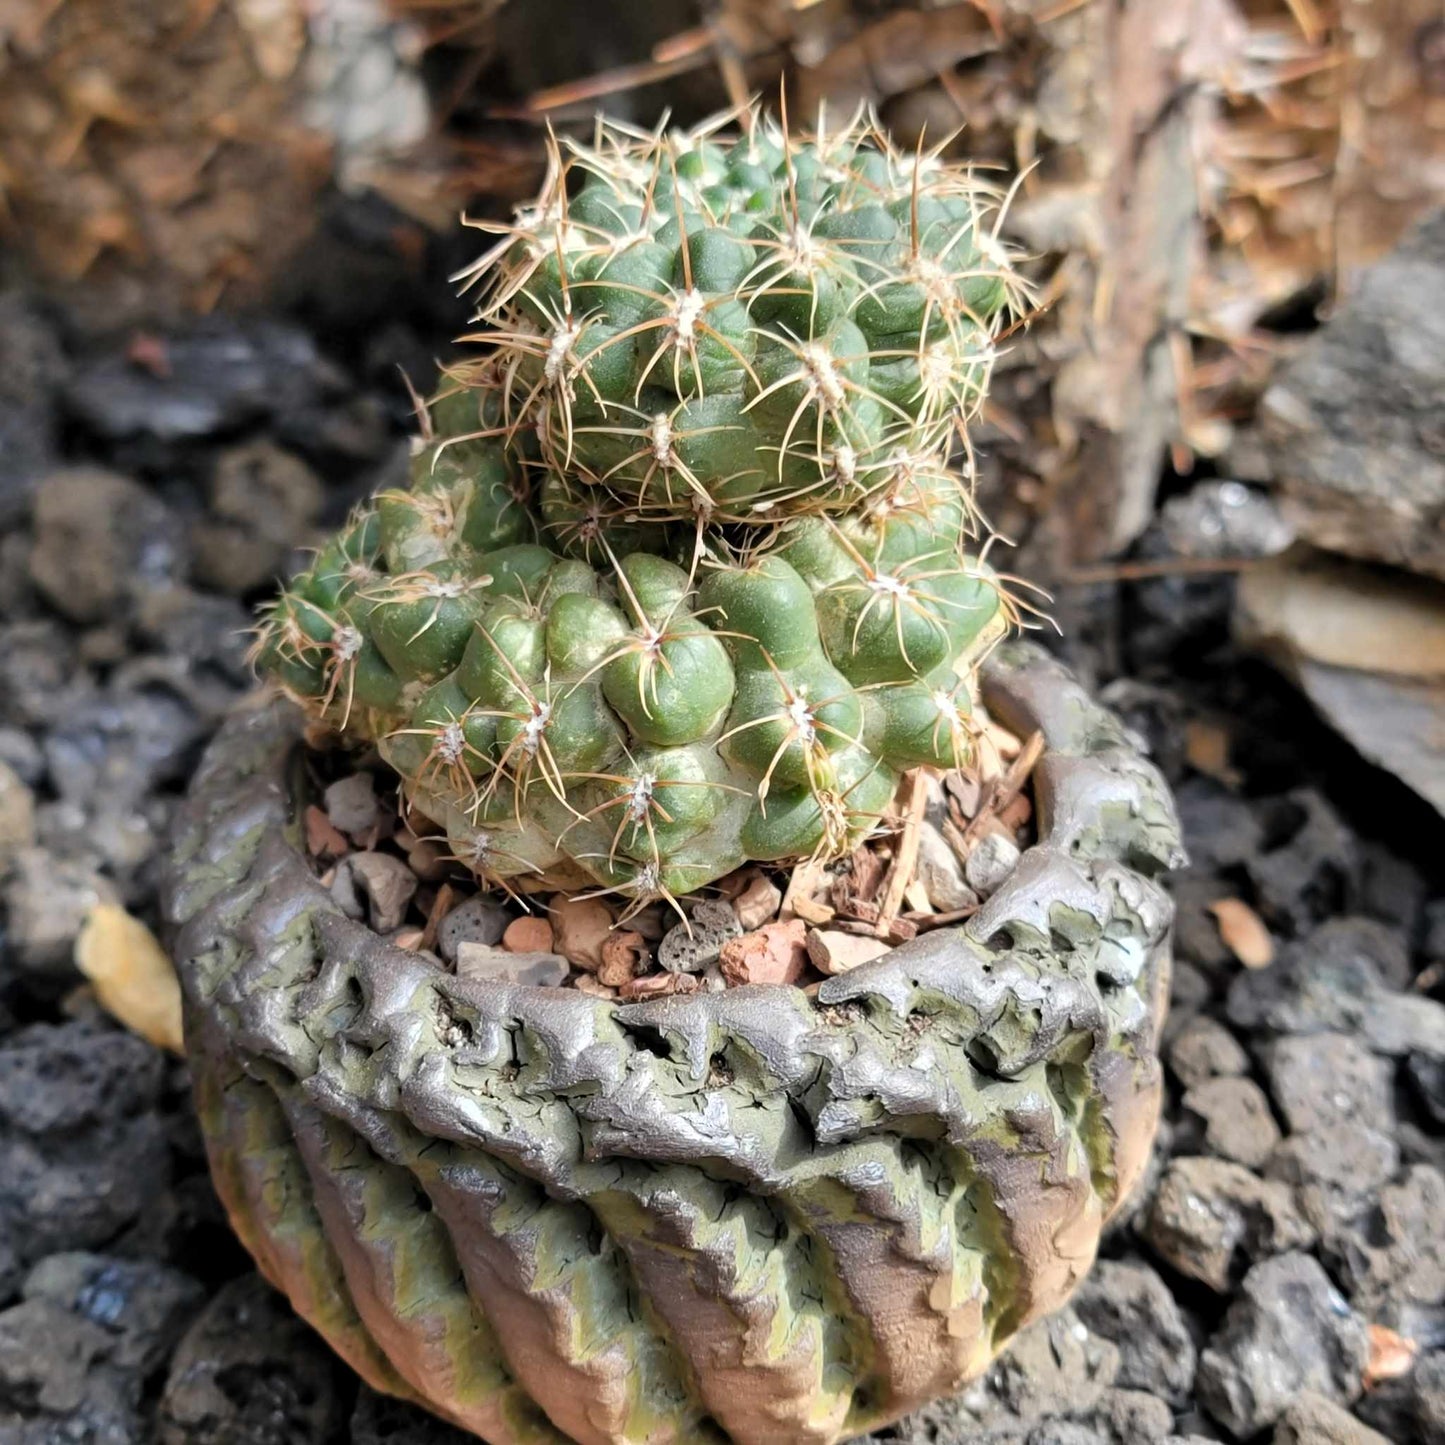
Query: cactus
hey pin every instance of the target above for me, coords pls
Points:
(574, 666)
(745, 328)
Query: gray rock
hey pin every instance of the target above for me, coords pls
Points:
(1427, 1075)
(264, 501)
(121, 744)
(1237, 1123)
(1128, 1304)
(222, 375)
(1302, 880)
(351, 803)
(1315, 1420)
(1211, 1218)
(479, 919)
(1224, 831)
(941, 873)
(1288, 1330)
(1329, 1078)
(1352, 422)
(17, 817)
(248, 1372)
(1224, 518)
(1196, 931)
(1394, 1256)
(1135, 1417)
(1391, 1407)
(991, 863)
(117, 839)
(207, 635)
(1189, 991)
(54, 1362)
(32, 366)
(1204, 1049)
(21, 754)
(100, 538)
(1334, 1170)
(40, 681)
(1057, 1367)
(498, 965)
(1335, 980)
(83, 1152)
(142, 1304)
(384, 1420)
(388, 884)
(1060, 1432)
(46, 899)
(1327, 626)
(690, 947)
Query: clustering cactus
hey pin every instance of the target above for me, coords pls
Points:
(746, 327)
(682, 577)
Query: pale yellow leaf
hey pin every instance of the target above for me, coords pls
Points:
(132, 976)
(1243, 932)
(276, 31)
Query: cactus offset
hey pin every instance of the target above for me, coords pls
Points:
(746, 328)
(651, 667)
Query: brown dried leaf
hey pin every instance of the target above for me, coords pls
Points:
(804, 898)
(131, 974)
(1244, 932)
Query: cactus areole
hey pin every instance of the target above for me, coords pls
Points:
(687, 575)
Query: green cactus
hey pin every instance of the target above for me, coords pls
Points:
(625, 617)
(745, 328)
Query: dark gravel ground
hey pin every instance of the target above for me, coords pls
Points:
(1295, 1216)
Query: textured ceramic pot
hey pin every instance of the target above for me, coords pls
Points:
(754, 1216)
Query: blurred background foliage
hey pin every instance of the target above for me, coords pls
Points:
(1201, 177)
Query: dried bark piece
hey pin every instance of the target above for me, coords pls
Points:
(804, 898)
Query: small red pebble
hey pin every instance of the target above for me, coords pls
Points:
(776, 953)
(323, 840)
(528, 935)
